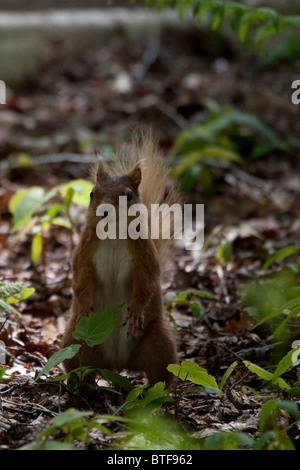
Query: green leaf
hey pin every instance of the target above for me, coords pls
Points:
(195, 307)
(4, 306)
(53, 445)
(2, 371)
(24, 294)
(135, 393)
(194, 373)
(53, 210)
(96, 328)
(204, 294)
(154, 397)
(28, 224)
(226, 440)
(286, 362)
(227, 374)
(224, 252)
(24, 203)
(81, 191)
(36, 247)
(218, 17)
(59, 357)
(266, 411)
(190, 177)
(282, 253)
(294, 311)
(242, 16)
(116, 379)
(288, 305)
(2, 320)
(182, 296)
(274, 405)
(68, 416)
(9, 288)
(24, 159)
(262, 34)
(28, 201)
(264, 374)
(213, 390)
(290, 407)
(62, 222)
(50, 194)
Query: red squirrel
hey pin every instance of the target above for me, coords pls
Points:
(109, 272)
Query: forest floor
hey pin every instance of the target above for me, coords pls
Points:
(97, 99)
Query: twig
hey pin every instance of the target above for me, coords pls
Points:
(220, 273)
(35, 406)
(172, 114)
(149, 57)
(3, 323)
(51, 158)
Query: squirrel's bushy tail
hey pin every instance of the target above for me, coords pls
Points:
(156, 188)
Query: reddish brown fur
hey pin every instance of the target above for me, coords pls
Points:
(154, 347)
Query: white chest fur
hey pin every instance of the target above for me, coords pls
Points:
(113, 266)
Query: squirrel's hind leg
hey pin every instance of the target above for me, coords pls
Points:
(154, 352)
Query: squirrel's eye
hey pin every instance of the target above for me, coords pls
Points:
(91, 195)
(129, 196)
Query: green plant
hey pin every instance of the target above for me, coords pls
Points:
(76, 376)
(280, 254)
(74, 425)
(146, 427)
(95, 329)
(92, 330)
(11, 293)
(147, 430)
(198, 375)
(274, 420)
(275, 299)
(139, 399)
(226, 137)
(187, 298)
(224, 251)
(32, 212)
(286, 49)
(242, 17)
(228, 440)
(272, 430)
(288, 361)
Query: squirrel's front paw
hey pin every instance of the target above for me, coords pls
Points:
(86, 311)
(135, 323)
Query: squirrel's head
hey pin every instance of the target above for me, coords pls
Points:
(109, 187)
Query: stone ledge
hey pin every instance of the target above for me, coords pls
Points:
(23, 33)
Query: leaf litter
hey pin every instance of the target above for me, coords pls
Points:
(96, 99)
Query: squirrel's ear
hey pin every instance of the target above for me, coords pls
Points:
(135, 176)
(101, 171)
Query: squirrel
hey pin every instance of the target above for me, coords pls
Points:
(110, 272)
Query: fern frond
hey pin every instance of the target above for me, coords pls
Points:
(243, 17)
